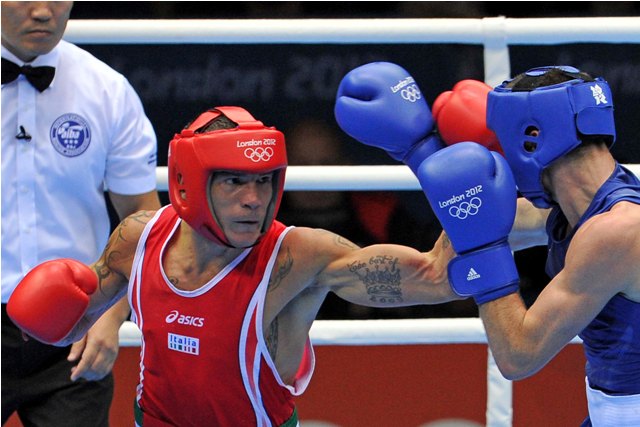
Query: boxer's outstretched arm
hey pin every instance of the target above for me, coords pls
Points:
(382, 275)
(59, 300)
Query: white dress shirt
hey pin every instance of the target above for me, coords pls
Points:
(88, 131)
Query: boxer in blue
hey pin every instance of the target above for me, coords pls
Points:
(555, 125)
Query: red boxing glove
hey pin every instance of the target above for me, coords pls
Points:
(52, 298)
(461, 115)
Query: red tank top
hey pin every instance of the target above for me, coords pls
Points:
(203, 358)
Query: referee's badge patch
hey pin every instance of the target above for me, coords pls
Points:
(70, 135)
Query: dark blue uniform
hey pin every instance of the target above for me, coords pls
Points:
(612, 339)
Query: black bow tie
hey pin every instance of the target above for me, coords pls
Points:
(39, 77)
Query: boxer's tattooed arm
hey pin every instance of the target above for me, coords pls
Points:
(381, 277)
(113, 254)
(272, 339)
(280, 271)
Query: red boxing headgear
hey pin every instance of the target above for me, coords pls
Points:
(194, 155)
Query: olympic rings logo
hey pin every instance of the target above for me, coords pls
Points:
(466, 209)
(259, 154)
(411, 93)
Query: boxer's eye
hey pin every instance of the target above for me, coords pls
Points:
(530, 146)
(532, 131)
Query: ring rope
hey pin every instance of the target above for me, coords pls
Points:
(529, 31)
(375, 332)
(346, 178)
(495, 33)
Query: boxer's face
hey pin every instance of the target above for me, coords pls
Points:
(30, 29)
(240, 202)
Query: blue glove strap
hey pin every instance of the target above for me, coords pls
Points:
(485, 274)
(423, 149)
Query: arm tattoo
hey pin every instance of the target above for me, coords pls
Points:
(337, 239)
(280, 271)
(112, 256)
(141, 217)
(341, 241)
(381, 277)
(272, 339)
(103, 272)
(102, 268)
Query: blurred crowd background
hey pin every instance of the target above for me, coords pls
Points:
(293, 87)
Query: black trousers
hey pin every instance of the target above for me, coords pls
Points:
(36, 384)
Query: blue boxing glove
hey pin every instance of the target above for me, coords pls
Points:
(473, 193)
(380, 104)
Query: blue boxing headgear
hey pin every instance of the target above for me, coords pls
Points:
(562, 113)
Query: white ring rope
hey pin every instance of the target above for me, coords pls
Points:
(375, 332)
(495, 34)
(345, 31)
(346, 178)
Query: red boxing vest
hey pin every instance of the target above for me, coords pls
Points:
(203, 357)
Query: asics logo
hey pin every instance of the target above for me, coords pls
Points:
(466, 209)
(411, 93)
(184, 320)
(259, 154)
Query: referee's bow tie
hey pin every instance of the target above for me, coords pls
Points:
(39, 77)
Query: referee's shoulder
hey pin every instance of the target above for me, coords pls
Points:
(87, 64)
